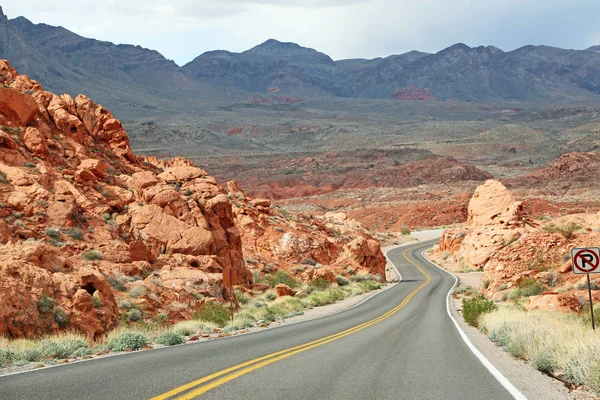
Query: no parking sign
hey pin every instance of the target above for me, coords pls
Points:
(587, 261)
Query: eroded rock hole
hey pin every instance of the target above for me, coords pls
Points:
(194, 264)
(73, 129)
(89, 288)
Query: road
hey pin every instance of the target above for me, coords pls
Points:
(400, 344)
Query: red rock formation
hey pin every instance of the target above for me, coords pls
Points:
(80, 211)
(273, 239)
(413, 93)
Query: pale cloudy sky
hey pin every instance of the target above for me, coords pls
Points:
(183, 29)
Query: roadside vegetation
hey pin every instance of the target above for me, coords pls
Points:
(562, 345)
(211, 320)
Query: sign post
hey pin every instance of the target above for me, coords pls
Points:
(587, 261)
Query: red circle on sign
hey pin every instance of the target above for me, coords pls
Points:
(594, 263)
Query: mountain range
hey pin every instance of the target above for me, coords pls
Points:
(127, 76)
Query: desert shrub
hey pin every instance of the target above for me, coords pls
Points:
(127, 341)
(241, 297)
(54, 233)
(115, 283)
(531, 287)
(133, 315)
(213, 312)
(45, 304)
(97, 301)
(61, 317)
(473, 308)
(64, 346)
(367, 286)
(7, 357)
(566, 230)
(342, 281)
(75, 233)
(364, 277)
(188, 192)
(92, 255)
(270, 295)
(106, 217)
(20, 223)
(283, 277)
(466, 290)
(29, 165)
(137, 291)
(546, 340)
(188, 328)
(405, 230)
(169, 338)
(319, 284)
(308, 261)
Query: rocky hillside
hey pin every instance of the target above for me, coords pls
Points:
(93, 235)
(520, 257)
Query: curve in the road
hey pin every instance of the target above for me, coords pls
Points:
(411, 350)
(280, 355)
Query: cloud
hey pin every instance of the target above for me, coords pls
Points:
(183, 29)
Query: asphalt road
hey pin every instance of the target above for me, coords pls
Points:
(400, 344)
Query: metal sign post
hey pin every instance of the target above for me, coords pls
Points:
(587, 261)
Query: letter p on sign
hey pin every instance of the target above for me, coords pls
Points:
(586, 260)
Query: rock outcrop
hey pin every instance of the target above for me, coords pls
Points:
(307, 246)
(512, 250)
(494, 219)
(93, 235)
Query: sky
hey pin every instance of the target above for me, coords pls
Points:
(184, 29)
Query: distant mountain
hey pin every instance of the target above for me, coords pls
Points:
(273, 64)
(122, 63)
(127, 76)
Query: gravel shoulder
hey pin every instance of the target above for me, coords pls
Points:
(533, 384)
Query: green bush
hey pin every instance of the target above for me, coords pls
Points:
(92, 255)
(170, 338)
(45, 304)
(75, 233)
(566, 230)
(473, 308)
(61, 317)
(283, 277)
(133, 315)
(320, 284)
(531, 287)
(63, 348)
(241, 297)
(342, 281)
(97, 301)
(52, 232)
(213, 312)
(137, 291)
(115, 283)
(128, 341)
(270, 295)
(364, 277)
(367, 286)
(6, 358)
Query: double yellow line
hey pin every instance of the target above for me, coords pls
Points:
(212, 381)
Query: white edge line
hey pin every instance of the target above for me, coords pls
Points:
(486, 363)
(226, 337)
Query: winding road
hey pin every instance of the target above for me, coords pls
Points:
(400, 344)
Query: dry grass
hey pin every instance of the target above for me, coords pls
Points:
(189, 328)
(553, 342)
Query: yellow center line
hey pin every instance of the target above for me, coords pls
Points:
(249, 366)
